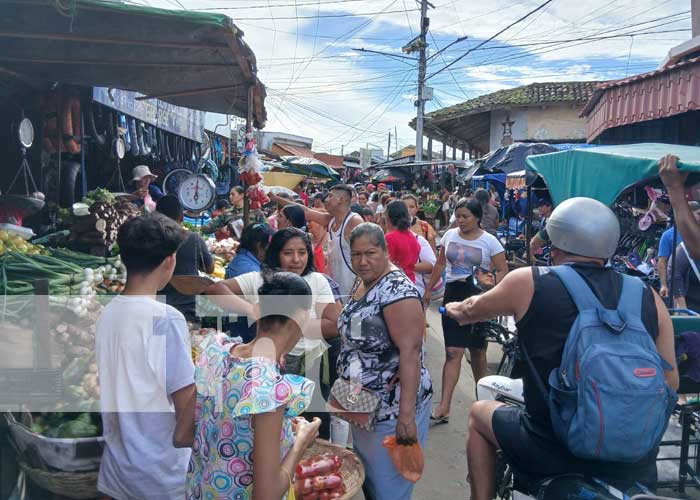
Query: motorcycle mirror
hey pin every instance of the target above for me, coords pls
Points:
(483, 279)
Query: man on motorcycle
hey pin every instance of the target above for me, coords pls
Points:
(584, 234)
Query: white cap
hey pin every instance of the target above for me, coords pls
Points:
(142, 171)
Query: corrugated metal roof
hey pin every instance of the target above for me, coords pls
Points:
(294, 150)
(189, 59)
(600, 90)
(334, 161)
(649, 96)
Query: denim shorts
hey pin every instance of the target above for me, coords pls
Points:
(382, 480)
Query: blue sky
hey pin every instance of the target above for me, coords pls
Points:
(319, 87)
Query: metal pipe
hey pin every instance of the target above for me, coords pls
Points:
(528, 224)
(671, 279)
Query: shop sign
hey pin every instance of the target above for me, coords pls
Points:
(184, 122)
(240, 137)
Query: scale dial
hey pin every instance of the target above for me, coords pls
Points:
(197, 192)
(26, 133)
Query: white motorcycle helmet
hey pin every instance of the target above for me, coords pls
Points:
(585, 227)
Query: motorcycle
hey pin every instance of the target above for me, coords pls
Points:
(506, 387)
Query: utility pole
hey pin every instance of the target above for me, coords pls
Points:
(422, 64)
(695, 15)
(388, 147)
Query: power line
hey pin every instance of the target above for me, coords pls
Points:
(541, 6)
(277, 6)
(568, 45)
(323, 16)
(349, 32)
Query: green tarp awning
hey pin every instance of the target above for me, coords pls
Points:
(189, 59)
(603, 173)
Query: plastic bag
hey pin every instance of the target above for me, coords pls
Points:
(408, 459)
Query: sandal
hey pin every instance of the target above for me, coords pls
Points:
(445, 419)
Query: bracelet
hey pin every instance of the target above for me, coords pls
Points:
(289, 476)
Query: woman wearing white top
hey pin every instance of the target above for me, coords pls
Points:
(290, 250)
(463, 248)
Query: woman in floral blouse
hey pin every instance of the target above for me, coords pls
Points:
(382, 332)
(245, 434)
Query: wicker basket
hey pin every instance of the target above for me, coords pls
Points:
(352, 471)
(78, 485)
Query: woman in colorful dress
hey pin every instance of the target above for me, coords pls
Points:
(290, 250)
(245, 435)
(382, 351)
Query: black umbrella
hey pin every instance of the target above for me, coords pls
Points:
(511, 158)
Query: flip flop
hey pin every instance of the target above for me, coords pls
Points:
(445, 419)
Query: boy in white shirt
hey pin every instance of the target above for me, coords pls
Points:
(145, 369)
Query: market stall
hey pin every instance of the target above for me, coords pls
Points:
(127, 85)
(624, 178)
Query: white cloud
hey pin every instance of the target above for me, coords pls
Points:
(372, 92)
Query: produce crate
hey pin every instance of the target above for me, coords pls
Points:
(76, 485)
(61, 454)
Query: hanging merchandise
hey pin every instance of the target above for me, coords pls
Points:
(50, 110)
(123, 129)
(134, 142)
(250, 174)
(223, 182)
(70, 125)
(99, 138)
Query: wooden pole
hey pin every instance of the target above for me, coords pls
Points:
(444, 150)
(430, 145)
(454, 151)
(249, 130)
(528, 224)
(42, 336)
(464, 151)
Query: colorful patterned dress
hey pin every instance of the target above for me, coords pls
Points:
(230, 391)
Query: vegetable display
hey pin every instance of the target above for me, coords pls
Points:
(318, 478)
(67, 425)
(10, 242)
(66, 273)
(226, 249)
(97, 231)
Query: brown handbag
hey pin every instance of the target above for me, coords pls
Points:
(352, 402)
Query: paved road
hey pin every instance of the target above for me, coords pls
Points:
(445, 457)
(445, 471)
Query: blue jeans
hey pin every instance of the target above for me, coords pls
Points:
(382, 480)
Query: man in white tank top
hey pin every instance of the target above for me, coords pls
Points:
(340, 222)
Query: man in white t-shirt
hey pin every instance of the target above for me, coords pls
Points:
(145, 370)
(340, 221)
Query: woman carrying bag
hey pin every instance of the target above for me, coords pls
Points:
(383, 389)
